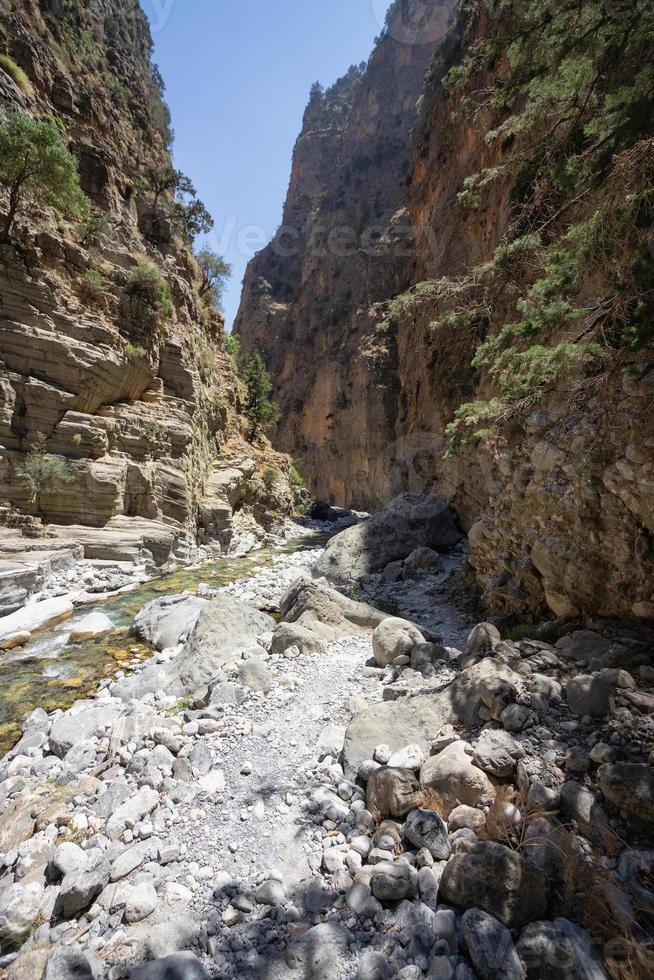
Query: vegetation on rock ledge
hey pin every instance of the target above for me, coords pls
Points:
(569, 291)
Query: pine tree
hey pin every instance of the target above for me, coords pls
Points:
(261, 412)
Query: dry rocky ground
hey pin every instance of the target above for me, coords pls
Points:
(341, 794)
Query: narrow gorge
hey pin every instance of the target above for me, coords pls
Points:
(326, 642)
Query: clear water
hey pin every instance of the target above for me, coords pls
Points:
(51, 673)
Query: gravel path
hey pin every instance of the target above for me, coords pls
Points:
(261, 828)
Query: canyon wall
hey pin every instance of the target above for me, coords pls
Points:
(132, 390)
(549, 454)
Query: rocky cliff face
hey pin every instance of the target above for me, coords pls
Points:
(344, 244)
(524, 331)
(148, 419)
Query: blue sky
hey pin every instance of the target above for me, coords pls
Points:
(238, 74)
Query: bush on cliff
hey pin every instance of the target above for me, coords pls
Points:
(42, 472)
(150, 305)
(565, 95)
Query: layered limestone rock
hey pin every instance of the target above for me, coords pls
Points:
(146, 415)
(559, 500)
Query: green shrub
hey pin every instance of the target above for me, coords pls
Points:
(232, 346)
(261, 412)
(42, 472)
(150, 305)
(270, 476)
(17, 74)
(296, 478)
(134, 354)
(93, 288)
(97, 222)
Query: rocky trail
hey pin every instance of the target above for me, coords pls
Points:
(339, 794)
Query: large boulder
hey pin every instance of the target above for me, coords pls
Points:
(498, 880)
(419, 718)
(407, 522)
(559, 950)
(590, 694)
(226, 630)
(392, 792)
(629, 787)
(313, 615)
(453, 778)
(84, 719)
(167, 621)
(394, 638)
(490, 947)
(91, 627)
(391, 881)
(497, 753)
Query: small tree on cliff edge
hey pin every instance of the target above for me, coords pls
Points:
(261, 413)
(42, 472)
(215, 274)
(36, 165)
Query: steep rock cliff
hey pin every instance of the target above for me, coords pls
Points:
(147, 418)
(344, 244)
(515, 375)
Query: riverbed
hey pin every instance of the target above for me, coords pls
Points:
(51, 673)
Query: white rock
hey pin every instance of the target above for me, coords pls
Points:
(410, 757)
(212, 782)
(94, 625)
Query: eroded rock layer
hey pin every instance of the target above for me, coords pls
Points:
(147, 415)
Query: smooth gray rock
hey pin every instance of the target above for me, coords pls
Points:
(409, 521)
(426, 829)
(19, 908)
(226, 629)
(254, 673)
(589, 694)
(201, 758)
(374, 966)
(139, 805)
(68, 964)
(330, 741)
(391, 881)
(490, 947)
(67, 858)
(76, 725)
(80, 888)
(497, 753)
(165, 622)
(393, 638)
(131, 859)
(559, 950)
(140, 901)
(179, 966)
(271, 892)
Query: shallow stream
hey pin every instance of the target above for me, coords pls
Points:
(50, 673)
